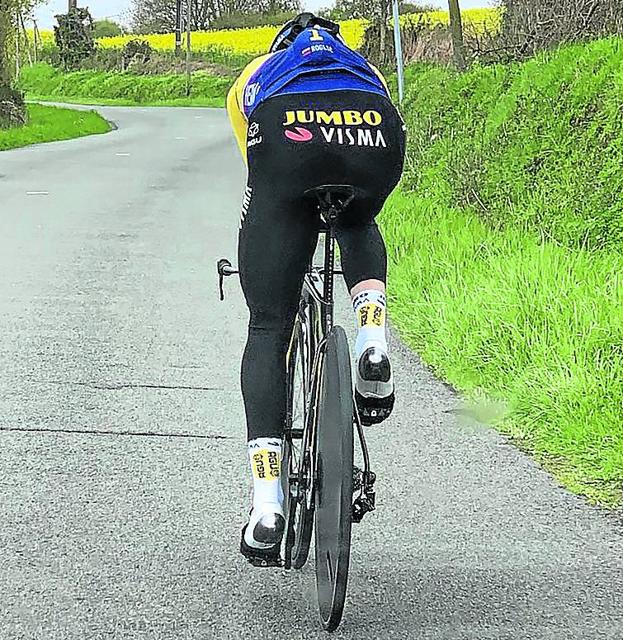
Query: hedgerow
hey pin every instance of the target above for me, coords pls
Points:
(44, 82)
(506, 251)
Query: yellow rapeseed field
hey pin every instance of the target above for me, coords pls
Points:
(46, 37)
(257, 40)
(478, 18)
(250, 41)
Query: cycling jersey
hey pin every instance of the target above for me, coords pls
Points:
(316, 61)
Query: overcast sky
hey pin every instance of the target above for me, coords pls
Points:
(117, 9)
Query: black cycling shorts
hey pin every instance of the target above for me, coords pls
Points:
(295, 143)
(301, 141)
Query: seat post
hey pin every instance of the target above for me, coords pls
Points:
(331, 200)
(329, 266)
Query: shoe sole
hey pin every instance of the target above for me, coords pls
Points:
(374, 410)
(374, 389)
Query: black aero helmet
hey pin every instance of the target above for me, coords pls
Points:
(287, 34)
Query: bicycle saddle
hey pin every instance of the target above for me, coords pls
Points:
(332, 199)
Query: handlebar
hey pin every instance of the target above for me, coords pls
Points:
(224, 269)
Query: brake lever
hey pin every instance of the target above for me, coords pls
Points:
(224, 268)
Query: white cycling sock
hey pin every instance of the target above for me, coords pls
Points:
(370, 310)
(265, 459)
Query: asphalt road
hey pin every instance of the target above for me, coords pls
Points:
(123, 476)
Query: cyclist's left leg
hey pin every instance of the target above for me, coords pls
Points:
(276, 242)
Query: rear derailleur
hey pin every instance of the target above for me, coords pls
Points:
(363, 482)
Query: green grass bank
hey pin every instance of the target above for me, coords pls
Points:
(48, 124)
(537, 145)
(44, 82)
(506, 252)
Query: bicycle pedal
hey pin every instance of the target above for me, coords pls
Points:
(374, 410)
(262, 558)
(265, 563)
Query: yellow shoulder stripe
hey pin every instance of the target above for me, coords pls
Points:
(235, 102)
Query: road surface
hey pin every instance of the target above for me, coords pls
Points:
(123, 471)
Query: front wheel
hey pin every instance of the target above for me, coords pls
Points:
(297, 477)
(334, 486)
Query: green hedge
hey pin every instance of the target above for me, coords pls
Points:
(110, 59)
(537, 145)
(44, 82)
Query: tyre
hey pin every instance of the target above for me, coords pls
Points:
(334, 482)
(297, 451)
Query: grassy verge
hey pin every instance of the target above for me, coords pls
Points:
(532, 334)
(47, 124)
(506, 252)
(43, 82)
(538, 145)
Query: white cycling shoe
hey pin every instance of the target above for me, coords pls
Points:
(261, 537)
(374, 385)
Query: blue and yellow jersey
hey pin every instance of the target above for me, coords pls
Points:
(316, 61)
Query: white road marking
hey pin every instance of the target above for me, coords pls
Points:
(123, 155)
(37, 193)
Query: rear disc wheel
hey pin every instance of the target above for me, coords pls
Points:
(334, 483)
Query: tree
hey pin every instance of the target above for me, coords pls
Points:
(9, 12)
(155, 16)
(410, 8)
(158, 16)
(377, 12)
(532, 25)
(456, 27)
(7, 30)
(12, 110)
(347, 9)
(106, 29)
(74, 37)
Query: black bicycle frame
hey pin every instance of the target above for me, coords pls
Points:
(321, 289)
(324, 304)
(328, 273)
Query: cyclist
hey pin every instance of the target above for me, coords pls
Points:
(310, 112)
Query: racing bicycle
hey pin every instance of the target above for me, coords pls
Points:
(324, 491)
